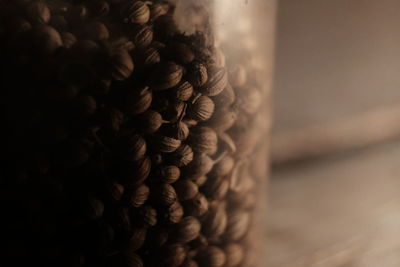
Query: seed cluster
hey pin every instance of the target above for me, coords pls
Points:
(127, 140)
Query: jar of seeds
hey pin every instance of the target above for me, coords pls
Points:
(136, 133)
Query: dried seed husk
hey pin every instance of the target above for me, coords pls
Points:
(190, 122)
(212, 257)
(169, 174)
(121, 65)
(216, 187)
(182, 156)
(96, 31)
(157, 159)
(68, 39)
(143, 169)
(120, 218)
(238, 76)
(259, 166)
(122, 43)
(205, 43)
(99, 8)
(234, 254)
(100, 87)
(138, 236)
(189, 263)
(200, 243)
(223, 167)
(148, 216)
(139, 196)
(142, 36)
(200, 181)
(245, 184)
(238, 224)
(178, 130)
(84, 106)
(158, 9)
(174, 213)
(246, 139)
(226, 143)
(44, 40)
(135, 12)
(157, 237)
(174, 110)
(116, 191)
(197, 206)
(250, 100)
(76, 14)
(186, 189)
(216, 220)
(132, 147)
(180, 52)
(84, 50)
(182, 131)
(133, 173)
(121, 259)
(217, 81)
(137, 101)
(203, 140)
(202, 109)
(149, 57)
(200, 166)
(165, 144)
(165, 194)
(183, 91)
(173, 255)
(150, 121)
(18, 25)
(187, 230)
(166, 75)
(55, 7)
(246, 201)
(158, 45)
(197, 74)
(223, 119)
(226, 98)
(161, 104)
(240, 179)
(38, 12)
(165, 26)
(58, 22)
(94, 208)
(133, 260)
(192, 253)
(219, 57)
(111, 118)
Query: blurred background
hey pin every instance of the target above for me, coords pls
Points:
(335, 190)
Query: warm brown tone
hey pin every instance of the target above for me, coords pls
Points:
(126, 144)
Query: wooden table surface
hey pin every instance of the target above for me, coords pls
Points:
(342, 211)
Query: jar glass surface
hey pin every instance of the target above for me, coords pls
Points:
(137, 132)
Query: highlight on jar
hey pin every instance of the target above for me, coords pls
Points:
(137, 132)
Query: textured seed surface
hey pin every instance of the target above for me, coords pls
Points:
(202, 109)
(187, 229)
(130, 142)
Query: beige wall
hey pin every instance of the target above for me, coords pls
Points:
(335, 58)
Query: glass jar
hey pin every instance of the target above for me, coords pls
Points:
(137, 132)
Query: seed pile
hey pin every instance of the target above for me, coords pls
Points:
(128, 142)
